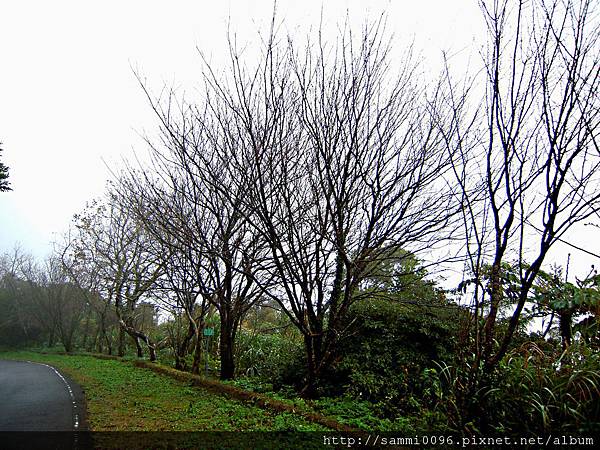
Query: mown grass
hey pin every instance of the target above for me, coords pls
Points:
(121, 397)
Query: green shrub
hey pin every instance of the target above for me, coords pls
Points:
(392, 347)
(272, 358)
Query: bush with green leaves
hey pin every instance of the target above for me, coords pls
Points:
(277, 359)
(393, 345)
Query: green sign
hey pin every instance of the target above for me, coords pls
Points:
(209, 331)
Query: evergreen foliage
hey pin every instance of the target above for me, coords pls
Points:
(4, 184)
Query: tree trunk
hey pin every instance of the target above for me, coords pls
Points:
(312, 345)
(67, 341)
(137, 335)
(179, 362)
(121, 351)
(182, 349)
(566, 333)
(226, 348)
(198, 327)
(86, 332)
(140, 351)
(94, 342)
(51, 338)
(490, 322)
(197, 353)
(152, 352)
(227, 361)
(108, 343)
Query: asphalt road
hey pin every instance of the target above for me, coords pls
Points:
(36, 397)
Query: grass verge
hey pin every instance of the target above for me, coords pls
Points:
(122, 397)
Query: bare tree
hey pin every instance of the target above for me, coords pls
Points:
(180, 293)
(82, 271)
(537, 136)
(193, 208)
(115, 242)
(181, 284)
(61, 301)
(340, 162)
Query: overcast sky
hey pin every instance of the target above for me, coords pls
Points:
(69, 101)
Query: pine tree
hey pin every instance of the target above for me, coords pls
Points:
(4, 184)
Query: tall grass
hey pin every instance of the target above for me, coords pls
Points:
(532, 393)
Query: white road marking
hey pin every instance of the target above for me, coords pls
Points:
(75, 414)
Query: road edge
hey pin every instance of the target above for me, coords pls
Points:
(77, 394)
